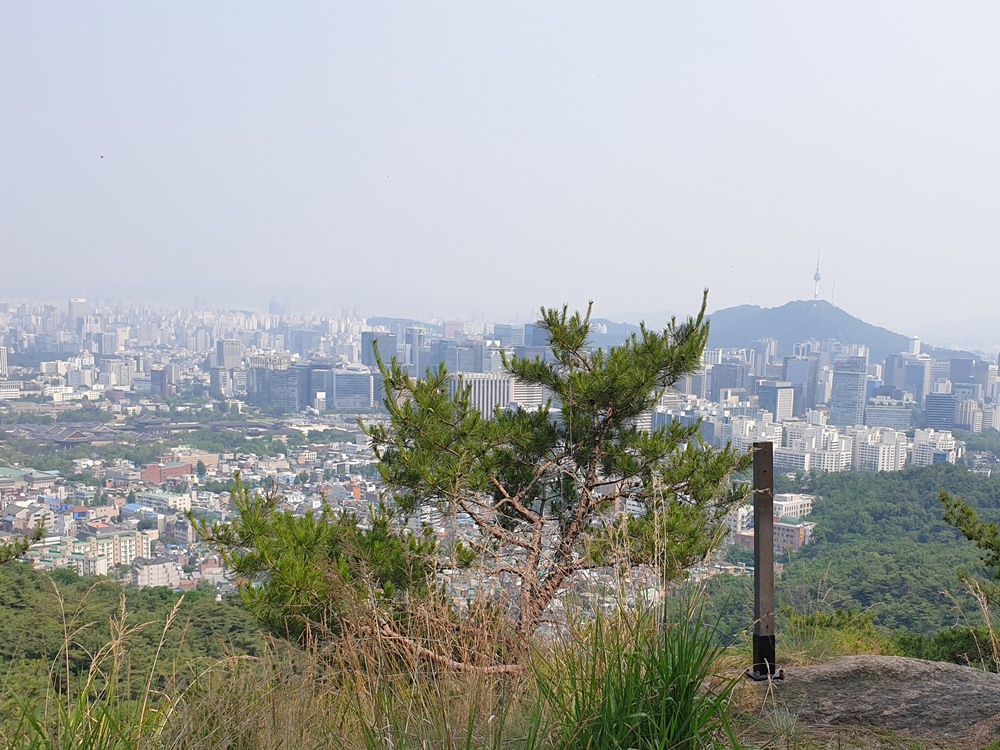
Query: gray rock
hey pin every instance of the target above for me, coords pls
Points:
(923, 699)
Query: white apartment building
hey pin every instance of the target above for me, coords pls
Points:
(743, 432)
(165, 502)
(740, 519)
(810, 447)
(834, 459)
(160, 571)
(793, 505)
(490, 391)
(991, 417)
(935, 446)
(10, 389)
(877, 449)
(118, 547)
(528, 395)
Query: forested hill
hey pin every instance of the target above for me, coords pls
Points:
(882, 546)
(804, 320)
(40, 609)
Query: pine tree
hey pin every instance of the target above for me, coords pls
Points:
(543, 487)
(14, 549)
(302, 574)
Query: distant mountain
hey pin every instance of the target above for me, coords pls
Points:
(733, 327)
(804, 320)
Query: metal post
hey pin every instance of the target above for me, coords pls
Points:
(763, 564)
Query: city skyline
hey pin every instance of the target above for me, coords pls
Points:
(954, 338)
(457, 161)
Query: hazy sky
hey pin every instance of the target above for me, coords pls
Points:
(458, 158)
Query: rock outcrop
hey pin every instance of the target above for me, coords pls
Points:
(935, 701)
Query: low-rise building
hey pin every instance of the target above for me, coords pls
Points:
(159, 571)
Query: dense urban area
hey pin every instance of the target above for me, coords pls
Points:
(120, 424)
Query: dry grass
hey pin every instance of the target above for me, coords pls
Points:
(365, 689)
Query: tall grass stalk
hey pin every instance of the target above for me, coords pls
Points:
(97, 712)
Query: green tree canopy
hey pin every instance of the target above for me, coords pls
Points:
(544, 487)
(302, 573)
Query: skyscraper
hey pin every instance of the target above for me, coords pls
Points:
(228, 354)
(939, 411)
(353, 388)
(386, 347)
(764, 350)
(535, 335)
(918, 377)
(77, 311)
(414, 337)
(727, 375)
(158, 380)
(801, 373)
(847, 396)
(777, 397)
(3, 361)
(509, 335)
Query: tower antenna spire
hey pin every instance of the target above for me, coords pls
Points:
(816, 279)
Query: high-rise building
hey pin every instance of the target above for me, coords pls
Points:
(353, 388)
(487, 391)
(220, 385)
(3, 362)
(933, 447)
(119, 372)
(801, 373)
(919, 376)
(991, 417)
(968, 415)
(986, 375)
(847, 394)
(727, 375)
(961, 370)
(320, 376)
(939, 411)
(777, 397)
(286, 394)
(764, 351)
(228, 354)
(471, 357)
(158, 380)
(447, 354)
(967, 391)
(535, 335)
(386, 347)
(239, 382)
(414, 338)
(77, 311)
(509, 335)
(894, 371)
